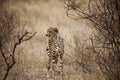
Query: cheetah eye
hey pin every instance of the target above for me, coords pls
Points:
(50, 31)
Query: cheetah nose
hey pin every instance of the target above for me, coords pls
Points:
(46, 35)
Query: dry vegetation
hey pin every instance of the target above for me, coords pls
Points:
(81, 62)
(105, 44)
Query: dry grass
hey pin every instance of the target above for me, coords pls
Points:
(40, 15)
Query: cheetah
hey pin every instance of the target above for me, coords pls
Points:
(55, 49)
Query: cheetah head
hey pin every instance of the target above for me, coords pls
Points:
(52, 32)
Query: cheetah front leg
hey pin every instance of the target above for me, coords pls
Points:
(49, 60)
(54, 62)
(61, 52)
(61, 64)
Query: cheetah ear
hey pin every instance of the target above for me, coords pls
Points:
(56, 30)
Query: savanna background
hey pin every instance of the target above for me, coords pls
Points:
(92, 47)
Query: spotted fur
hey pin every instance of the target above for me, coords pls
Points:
(55, 49)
